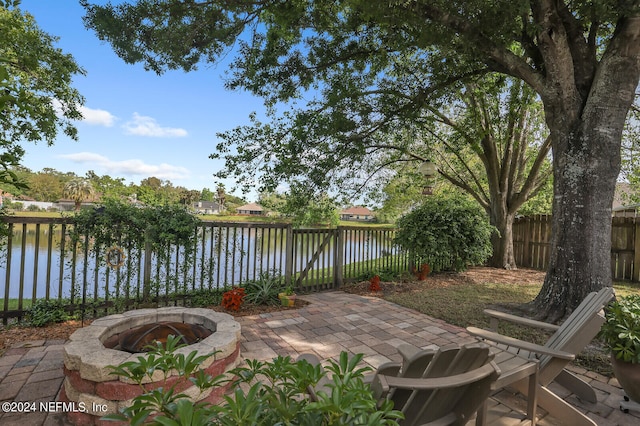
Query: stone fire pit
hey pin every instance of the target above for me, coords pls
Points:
(90, 385)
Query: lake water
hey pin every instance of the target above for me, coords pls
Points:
(224, 256)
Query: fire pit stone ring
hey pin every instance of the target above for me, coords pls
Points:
(91, 350)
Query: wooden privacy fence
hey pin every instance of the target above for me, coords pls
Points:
(42, 262)
(532, 244)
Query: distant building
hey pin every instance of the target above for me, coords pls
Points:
(621, 206)
(252, 209)
(5, 196)
(357, 213)
(206, 207)
(67, 205)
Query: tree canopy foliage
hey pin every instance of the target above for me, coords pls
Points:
(78, 190)
(37, 101)
(49, 184)
(364, 70)
(304, 209)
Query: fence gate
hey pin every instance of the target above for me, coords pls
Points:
(315, 254)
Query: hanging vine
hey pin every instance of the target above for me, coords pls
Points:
(162, 230)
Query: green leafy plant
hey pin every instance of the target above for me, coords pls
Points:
(50, 311)
(205, 297)
(289, 291)
(163, 401)
(275, 393)
(385, 274)
(621, 330)
(446, 232)
(265, 289)
(160, 229)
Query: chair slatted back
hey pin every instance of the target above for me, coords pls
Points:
(576, 331)
(421, 406)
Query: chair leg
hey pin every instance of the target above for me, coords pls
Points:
(556, 406)
(532, 398)
(481, 415)
(576, 385)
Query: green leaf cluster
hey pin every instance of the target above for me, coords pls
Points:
(37, 101)
(447, 232)
(621, 331)
(49, 311)
(264, 289)
(118, 221)
(165, 401)
(276, 393)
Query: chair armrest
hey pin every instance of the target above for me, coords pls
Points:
(518, 320)
(528, 346)
(429, 383)
(385, 369)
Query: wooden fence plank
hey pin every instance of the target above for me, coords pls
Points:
(532, 244)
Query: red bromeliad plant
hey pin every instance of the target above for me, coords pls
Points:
(375, 283)
(424, 271)
(233, 299)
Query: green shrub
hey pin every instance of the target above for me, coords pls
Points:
(45, 312)
(447, 233)
(276, 393)
(621, 331)
(264, 290)
(205, 297)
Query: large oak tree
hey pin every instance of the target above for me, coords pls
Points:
(493, 145)
(582, 58)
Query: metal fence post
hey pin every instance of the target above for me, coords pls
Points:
(146, 277)
(288, 259)
(338, 257)
(636, 250)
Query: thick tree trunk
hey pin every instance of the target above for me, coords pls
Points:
(586, 105)
(502, 241)
(584, 184)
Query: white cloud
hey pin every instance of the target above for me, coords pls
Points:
(133, 167)
(147, 126)
(97, 117)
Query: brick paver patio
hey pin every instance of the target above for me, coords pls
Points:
(331, 323)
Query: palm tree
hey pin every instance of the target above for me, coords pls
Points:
(78, 190)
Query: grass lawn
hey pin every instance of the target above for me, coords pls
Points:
(26, 213)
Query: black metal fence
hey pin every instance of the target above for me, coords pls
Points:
(42, 261)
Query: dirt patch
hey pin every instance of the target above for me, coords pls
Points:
(476, 276)
(9, 336)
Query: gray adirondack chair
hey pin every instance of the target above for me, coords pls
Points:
(443, 386)
(569, 339)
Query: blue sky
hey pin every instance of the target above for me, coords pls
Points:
(137, 124)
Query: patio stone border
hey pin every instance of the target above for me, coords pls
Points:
(95, 391)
